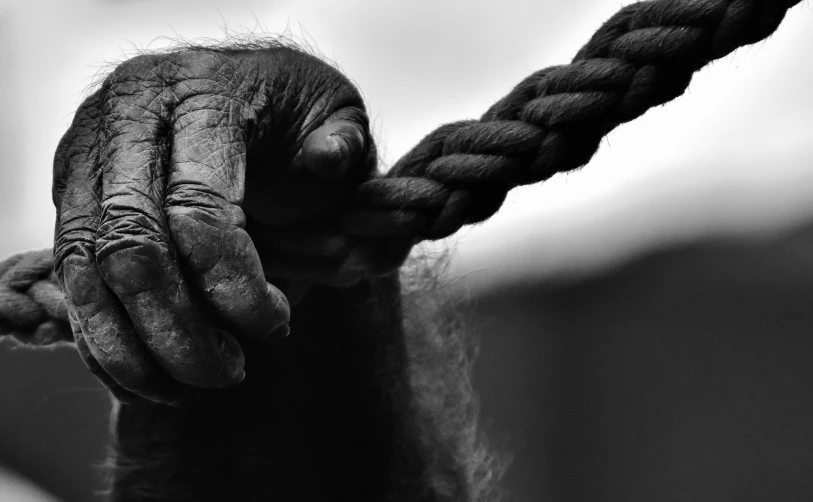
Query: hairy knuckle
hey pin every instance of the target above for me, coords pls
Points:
(127, 219)
(135, 69)
(130, 215)
(192, 194)
(203, 211)
(67, 247)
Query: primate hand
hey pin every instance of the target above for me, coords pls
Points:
(154, 184)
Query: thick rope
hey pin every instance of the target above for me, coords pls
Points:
(32, 305)
(553, 121)
(459, 174)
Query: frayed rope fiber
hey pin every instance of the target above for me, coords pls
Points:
(459, 174)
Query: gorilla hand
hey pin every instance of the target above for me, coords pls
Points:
(153, 185)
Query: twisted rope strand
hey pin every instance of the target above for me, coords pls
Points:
(32, 305)
(553, 121)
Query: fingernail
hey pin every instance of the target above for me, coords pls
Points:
(332, 149)
(282, 305)
(339, 144)
(233, 359)
(280, 332)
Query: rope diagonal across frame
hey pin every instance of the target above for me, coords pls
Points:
(553, 121)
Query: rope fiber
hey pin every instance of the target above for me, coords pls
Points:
(459, 174)
(32, 305)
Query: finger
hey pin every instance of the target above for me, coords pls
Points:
(114, 352)
(135, 255)
(95, 368)
(204, 193)
(336, 146)
(107, 343)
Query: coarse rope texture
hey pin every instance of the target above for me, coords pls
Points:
(32, 305)
(459, 174)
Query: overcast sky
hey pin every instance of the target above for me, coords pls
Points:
(733, 155)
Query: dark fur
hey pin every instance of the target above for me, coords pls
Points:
(354, 405)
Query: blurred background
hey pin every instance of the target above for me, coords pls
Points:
(644, 323)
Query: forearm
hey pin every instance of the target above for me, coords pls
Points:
(322, 415)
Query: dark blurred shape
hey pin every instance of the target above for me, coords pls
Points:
(684, 375)
(53, 420)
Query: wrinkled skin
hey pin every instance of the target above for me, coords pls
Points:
(165, 183)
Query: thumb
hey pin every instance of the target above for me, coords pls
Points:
(332, 149)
